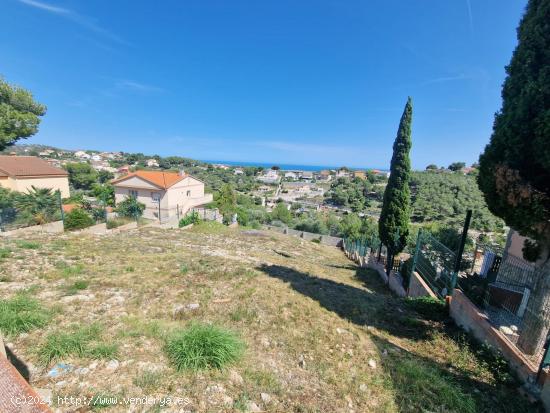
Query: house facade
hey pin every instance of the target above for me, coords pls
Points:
(166, 195)
(21, 173)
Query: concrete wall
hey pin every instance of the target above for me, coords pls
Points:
(51, 227)
(466, 315)
(309, 236)
(125, 227)
(418, 287)
(394, 281)
(94, 229)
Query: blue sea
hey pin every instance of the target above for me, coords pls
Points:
(283, 166)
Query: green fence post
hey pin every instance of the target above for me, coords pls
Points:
(416, 251)
(458, 260)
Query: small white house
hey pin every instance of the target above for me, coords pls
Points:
(166, 195)
(152, 163)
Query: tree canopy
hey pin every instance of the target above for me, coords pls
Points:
(514, 170)
(393, 225)
(19, 114)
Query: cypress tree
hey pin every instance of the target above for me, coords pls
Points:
(393, 226)
(514, 169)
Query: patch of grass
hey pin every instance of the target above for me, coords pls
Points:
(5, 253)
(241, 403)
(264, 379)
(21, 314)
(203, 346)
(5, 278)
(184, 269)
(28, 245)
(129, 269)
(136, 327)
(242, 313)
(421, 387)
(80, 342)
(72, 270)
(77, 286)
(148, 380)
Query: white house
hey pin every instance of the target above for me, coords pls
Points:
(238, 171)
(82, 155)
(166, 195)
(270, 176)
(291, 175)
(152, 163)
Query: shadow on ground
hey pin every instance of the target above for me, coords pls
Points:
(421, 382)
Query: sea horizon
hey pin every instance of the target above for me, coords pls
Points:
(286, 167)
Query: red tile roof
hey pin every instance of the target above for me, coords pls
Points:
(21, 166)
(161, 179)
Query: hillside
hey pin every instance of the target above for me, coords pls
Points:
(320, 335)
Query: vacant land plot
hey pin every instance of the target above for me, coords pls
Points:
(291, 326)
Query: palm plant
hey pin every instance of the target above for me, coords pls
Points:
(40, 204)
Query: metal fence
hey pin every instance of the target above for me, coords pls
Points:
(435, 263)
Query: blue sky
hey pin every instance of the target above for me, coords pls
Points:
(304, 82)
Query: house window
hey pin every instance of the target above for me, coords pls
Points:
(155, 196)
(188, 193)
(133, 193)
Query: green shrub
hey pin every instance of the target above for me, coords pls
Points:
(428, 307)
(21, 314)
(77, 286)
(78, 219)
(28, 245)
(203, 346)
(130, 208)
(192, 218)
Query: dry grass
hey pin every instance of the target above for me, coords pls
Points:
(310, 320)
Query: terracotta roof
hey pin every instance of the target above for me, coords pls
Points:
(20, 166)
(161, 179)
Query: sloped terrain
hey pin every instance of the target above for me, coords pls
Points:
(321, 335)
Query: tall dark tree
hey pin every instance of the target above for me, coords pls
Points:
(393, 226)
(19, 114)
(514, 169)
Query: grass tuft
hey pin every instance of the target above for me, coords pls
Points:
(21, 314)
(28, 245)
(77, 286)
(203, 346)
(81, 342)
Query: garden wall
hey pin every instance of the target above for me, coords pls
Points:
(308, 236)
(466, 315)
(418, 287)
(51, 227)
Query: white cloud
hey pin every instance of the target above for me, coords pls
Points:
(82, 20)
(137, 86)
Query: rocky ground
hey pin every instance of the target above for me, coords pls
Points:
(321, 335)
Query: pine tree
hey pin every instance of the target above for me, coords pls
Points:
(514, 169)
(393, 226)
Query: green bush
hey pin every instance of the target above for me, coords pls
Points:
(203, 346)
(428, 307)
(78, 219)
(192, 218)
(130, 208)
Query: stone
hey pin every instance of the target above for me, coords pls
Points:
(192, 306)
(265, 342)
(235, 377)
(363, 387)
(227, 401)
(59, 369)
(253, 407)
(372, 364)
(112, 365)
(340, 330)
(301, 361)
(93, 365)
(82, 371)
(506, 330)
(266, 398)
(77, 297)
(62, 383)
